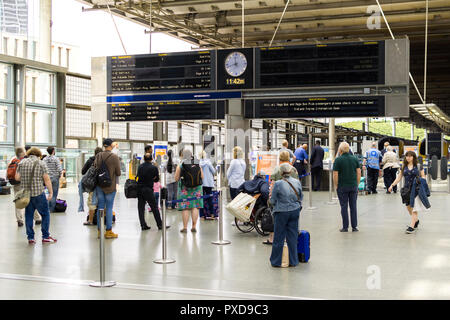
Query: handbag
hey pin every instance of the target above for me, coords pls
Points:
(292, 187)
(242, 206)
(131, 189)
(22, 197)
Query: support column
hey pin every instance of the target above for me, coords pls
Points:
(61, 110)
(394, 128)
(237, 133)
(412, 131)
(158, 131)
(45, 31)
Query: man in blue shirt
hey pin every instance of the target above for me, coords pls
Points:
(372, 160)
(301, 160)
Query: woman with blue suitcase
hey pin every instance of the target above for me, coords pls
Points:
(286, 200)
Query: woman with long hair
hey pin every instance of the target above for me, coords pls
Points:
(410, 171)
(170, 179)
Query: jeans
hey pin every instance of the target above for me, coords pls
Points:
(55, 187)
(389, 175)
(146, 195)
(80, 194)
(21, 212)
(40, 204)
(108, 201)
(285, 227)
(348, 196)
(233, 192)
(316, 177)
(172, 193)
(208, 208)
(372, 179)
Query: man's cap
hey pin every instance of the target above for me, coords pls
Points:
(107, 142)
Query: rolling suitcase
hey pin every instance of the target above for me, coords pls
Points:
(303, 246)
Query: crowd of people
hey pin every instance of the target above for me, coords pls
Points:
(189, 179)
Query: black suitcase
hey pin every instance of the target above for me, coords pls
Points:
(5, 190)
(130, 189)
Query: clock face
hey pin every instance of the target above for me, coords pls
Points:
(235, 64)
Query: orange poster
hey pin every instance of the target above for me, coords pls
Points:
(267, 161)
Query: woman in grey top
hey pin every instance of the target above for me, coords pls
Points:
(286, 200)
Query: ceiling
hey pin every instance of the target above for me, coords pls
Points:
(218, 24)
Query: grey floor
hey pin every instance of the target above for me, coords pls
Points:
(379, 262)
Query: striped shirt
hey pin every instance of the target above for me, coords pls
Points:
(53, 166)
(25, 169)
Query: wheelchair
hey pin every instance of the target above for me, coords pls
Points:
(255, 217)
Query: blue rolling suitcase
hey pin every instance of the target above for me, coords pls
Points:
(303, 246)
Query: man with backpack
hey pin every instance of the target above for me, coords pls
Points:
(11, 176)
(54, 171)
(108, 169)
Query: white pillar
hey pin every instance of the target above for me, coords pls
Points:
(394, 131)
(45, 31)
(412, 131)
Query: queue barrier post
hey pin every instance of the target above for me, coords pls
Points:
(102, 283)
(221, 241)
(330, 185)
(164, 259)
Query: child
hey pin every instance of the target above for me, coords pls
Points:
(156, 190)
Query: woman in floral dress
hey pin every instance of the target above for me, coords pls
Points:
(188, 207)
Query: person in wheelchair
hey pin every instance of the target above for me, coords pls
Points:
(258, 185)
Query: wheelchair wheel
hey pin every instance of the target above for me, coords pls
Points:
(258, 215)
(244, 227)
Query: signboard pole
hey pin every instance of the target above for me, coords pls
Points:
(331, 139)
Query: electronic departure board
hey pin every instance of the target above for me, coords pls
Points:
(285, 108)
(338, 64)
(157, 72)
(167, 110)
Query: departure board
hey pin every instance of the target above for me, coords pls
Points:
(165, 71)
(315, 107)
(167, 110)
(338, 64)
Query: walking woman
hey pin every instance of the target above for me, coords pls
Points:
(410, 171)
(390, 168)
(170, 180)
(286, 200)
(189, 207)
(236, 172)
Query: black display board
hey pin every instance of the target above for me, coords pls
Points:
(162, 72)
(167, 110)
(331, 107)
(230, 63)
(359, 63)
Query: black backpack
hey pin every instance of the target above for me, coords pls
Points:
(89, 180)
(191, 175)
(131, 189)
(103, 177)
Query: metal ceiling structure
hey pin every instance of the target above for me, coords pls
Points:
(225, 23)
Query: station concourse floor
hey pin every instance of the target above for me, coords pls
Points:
(414, 266)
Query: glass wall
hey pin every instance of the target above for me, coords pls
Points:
(40, 107)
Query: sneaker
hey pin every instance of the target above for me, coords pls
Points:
(343, 230)
(355, 230)
(410, 230)
(49, 240)
(110, 235)
(416, 225)
(32, 241)
(20, 223)
(38, 222)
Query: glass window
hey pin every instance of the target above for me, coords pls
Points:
(172, 131)
(118, 130)
(141, 131)
(40, 87)
(6, 82)
(78, 91)
(40, 126)
(6, 128)
(78, 123)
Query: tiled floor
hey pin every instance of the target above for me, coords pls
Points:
(342, 266)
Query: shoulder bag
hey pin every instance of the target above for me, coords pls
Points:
(22, 198)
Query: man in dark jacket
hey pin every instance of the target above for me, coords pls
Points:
(317, 155)
(147, 174)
